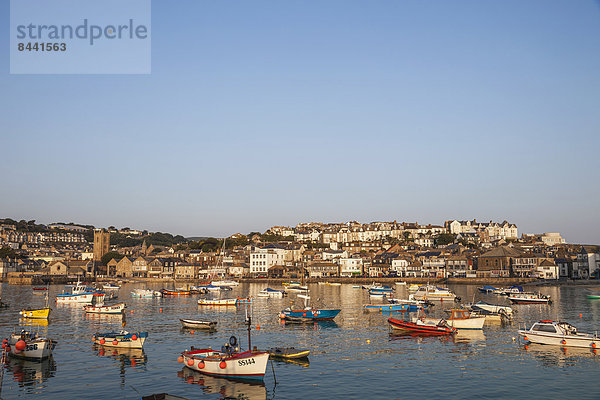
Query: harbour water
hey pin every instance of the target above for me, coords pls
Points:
(354, 356)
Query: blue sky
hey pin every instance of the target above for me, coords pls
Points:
(278, 112)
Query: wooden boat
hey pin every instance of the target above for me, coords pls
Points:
(421, 328)
(217, 302)
(134, 340)
(198, 324)
(105, 309)
(28, 345)
(230, 362)
(459, 319)
(288, 352)
(40, 313)
(529, 298)
(559, 334)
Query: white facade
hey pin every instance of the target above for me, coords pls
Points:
(263, 259)
(350, 266)
(552, 238)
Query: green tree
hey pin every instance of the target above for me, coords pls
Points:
(7, 252)
(444, 239)
(109, 256)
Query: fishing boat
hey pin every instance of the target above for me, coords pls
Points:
(230, 362)
(174, 293)
(434, 293)
(559, 334)
(198, 324)
(124, 339)
(28, 345)
(145, 293)
(110, 286)
(288, 353)
(105, 309)
(243, 300)
(421, 328)
(487, 289)
(458, 319)
(391, 307)
(529, 298)
(80, 293)
(225, 283)
(316, 314)
(268, 292)
(217, 302)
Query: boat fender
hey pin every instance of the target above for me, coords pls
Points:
(134, 337)
(564, 341)
(115, 342)
(190, 362)
(593, 345)
(222, 365)
(102, 341)
(180, 359)
(233, 341)
(201, 365)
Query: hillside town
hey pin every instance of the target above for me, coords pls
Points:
(455, 249)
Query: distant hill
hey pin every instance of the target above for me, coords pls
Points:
(196, 238)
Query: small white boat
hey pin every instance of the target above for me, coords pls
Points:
(484, 307)
(105, 309)
(29, 345)
(122, 339)
(559, 334)
(145, 293)
(110, 286)
(434, 293)
(268, 292)
(458, 319)
(198, 324)
(225, 283)
(529, 298)
(217, 302)
(401, 283)
(297, 288)
(414, 287)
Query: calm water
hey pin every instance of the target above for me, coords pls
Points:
(353, 357)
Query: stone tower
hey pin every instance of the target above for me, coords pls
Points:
(101, 243)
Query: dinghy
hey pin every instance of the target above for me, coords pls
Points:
(198, 324)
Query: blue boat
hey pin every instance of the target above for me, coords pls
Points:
(315, 314)
(381, 289)
(487, 289)
(392, 307)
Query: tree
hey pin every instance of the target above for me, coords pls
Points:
(109, 256)
(444, 239)
(7, 252)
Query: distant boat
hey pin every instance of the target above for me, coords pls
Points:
(484, 307)
(40, 313)
(268, 292)
(198, 324)
(145, 293)
(459, 319)
(243, 300)
(391, 307)
(487, 289)
(217, 302)
(110, 286)
(434, 293)
(225, 283)
(421, 328)
(529, 298)
(134, 340)
(105, 309)
(80, 293)
(169, 293)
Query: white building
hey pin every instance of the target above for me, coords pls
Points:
(552, 238)
(261, 259)
(350, 266)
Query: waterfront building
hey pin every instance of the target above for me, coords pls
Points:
(496, 262)
(323, 269)
(261, 259)
(350, 266)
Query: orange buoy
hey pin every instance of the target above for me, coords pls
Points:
(564, 342)
(257, 327)
(3, 345)
(20, 345)
(161, 310)
(593, 345)
(102, 341)
(131, 312)
(115, 342)
(222, 365)
(101, 352)
(579, 315)
(134, 337)
(192, 332)
(190, 362)
(304, 314)
(525, 338)
(133, 362)
(201, 364)
(180, 359)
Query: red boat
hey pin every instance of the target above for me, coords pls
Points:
(421, 328)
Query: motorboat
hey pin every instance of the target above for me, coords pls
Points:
(28, 345)
(230, 362)
(529, 298)
(225, 283)
(297, 288)
(268, 292)
(514, 289)
(198, 324)
(217, 302)
(316, 314)
(414, 287)
(458, 319)
(110, 286)
(145, 293)
(487, 289)
(434, 293)
(422, 328)
(80, 293)
(124, 339)
(559, 334)
(105, 309)
(288, 353)
(486, 308)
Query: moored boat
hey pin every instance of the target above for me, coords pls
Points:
(225, 283)
(288, 352)
(110, 286)
(105, 309)
(243, 300)
(29, 345)
(559, 334)
(40, 313)
(198, 324)
(421, 328)
(133, 340)
(434, 293)
(80, 293)
(268, 292)
(176, 292)
(145, 293)
(458, 319)
(529, 298)
(487, 289)
(217, 302)
(483, 307)
(314, 314)
(392, 307)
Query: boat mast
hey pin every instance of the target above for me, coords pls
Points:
(249, 322)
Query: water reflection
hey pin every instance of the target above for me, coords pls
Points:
(33, 322)
(227, 388)
(303, 362)
(31, 373)
(469, 336)
(551, 356)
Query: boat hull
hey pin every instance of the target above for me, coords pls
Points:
(519, 300)
(314, 314)
(467, 323)
(411, 327)
(42, 313)
(392, 307)
(247, 365)
(113, 309)
(122, 340)
(36, 349)
(188, 323)
(217, 302)
(580, 340)
(77, 298)
(288, 353)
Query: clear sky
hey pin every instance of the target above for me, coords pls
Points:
(261, 113)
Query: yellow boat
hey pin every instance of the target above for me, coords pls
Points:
(42, 313)
(288, 352)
